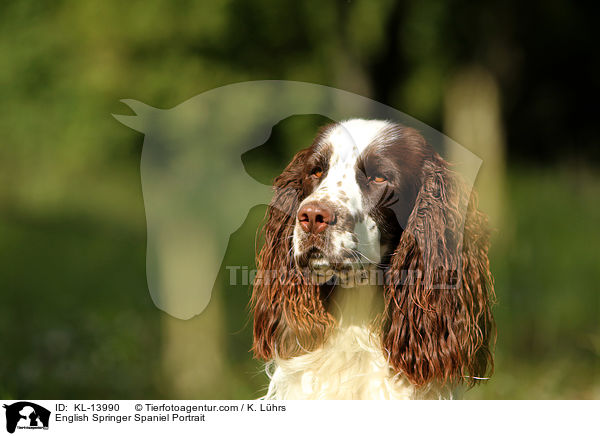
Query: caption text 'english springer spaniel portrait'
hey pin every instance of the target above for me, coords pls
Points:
(373, 278)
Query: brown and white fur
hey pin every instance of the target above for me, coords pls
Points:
(373, 281)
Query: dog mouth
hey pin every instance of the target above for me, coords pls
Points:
(315, 259)
(323, 269)
(316, 266)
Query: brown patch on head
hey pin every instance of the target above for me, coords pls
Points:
(398, 154)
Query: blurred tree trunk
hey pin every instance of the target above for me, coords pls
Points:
(194, 365)
(193, 356)
(472, 118)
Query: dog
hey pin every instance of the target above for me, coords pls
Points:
(373, 279)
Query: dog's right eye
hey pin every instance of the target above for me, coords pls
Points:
(317, 172)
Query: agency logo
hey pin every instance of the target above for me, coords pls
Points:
(197, 190)
(26, 415)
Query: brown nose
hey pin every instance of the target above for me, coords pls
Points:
(314, 218)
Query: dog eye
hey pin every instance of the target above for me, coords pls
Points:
(317, 172)
(378, 179)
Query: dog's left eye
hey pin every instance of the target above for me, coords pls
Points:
(377, 179)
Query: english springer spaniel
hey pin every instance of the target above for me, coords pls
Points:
(373, 281)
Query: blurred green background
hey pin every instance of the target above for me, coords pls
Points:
(512, 81)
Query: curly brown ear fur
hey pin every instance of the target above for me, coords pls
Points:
(437, 321)
(289, 316)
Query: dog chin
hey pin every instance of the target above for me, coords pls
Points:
(321, 269)
(352, 276)
(319, 264)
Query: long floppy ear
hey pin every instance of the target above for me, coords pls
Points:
(289, 316)
(437, 322)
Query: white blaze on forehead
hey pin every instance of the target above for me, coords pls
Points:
(347, 141)
(353, 136)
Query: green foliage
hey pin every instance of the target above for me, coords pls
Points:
(547, 273)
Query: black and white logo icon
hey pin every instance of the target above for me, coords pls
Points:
(26, 415)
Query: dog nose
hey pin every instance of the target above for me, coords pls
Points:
(314, 218)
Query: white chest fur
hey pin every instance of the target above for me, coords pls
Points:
(350, 365)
